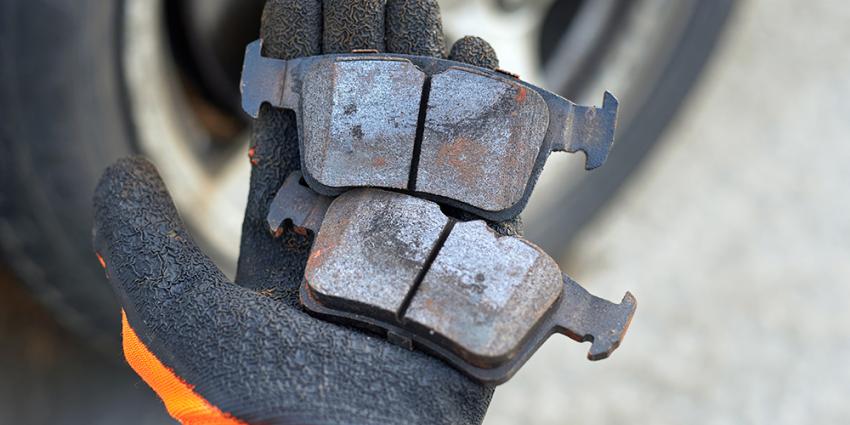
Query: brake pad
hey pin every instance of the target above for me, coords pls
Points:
(455, 133)
(396, 264)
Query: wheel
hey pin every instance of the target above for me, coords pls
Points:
(85, 82)
(65, 117)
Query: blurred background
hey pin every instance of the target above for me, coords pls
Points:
(723, 208)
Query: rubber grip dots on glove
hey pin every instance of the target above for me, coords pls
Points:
(180, 399)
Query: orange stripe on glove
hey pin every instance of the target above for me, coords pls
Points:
(180, 399)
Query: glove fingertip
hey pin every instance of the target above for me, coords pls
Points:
(349, 25)
(291, 28)
(474, 51)
(414, 27)
(126, 193)
(140, 239)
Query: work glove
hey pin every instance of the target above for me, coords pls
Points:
(222, 353)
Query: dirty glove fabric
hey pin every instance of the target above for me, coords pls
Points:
(218, 352)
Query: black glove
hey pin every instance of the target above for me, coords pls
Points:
(218, 352)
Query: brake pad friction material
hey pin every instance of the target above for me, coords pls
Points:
(482, 136)
(372, 247)
(360, 120)
(503, 284)
(465, 136)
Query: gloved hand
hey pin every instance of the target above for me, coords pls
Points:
(225, 353)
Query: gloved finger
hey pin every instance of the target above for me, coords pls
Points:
(474, 51)
(414, 27)
(353, 24)
(290, 28)
(150, 258)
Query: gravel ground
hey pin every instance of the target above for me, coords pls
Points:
(735, 238)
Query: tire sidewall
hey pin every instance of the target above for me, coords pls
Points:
(65, 120)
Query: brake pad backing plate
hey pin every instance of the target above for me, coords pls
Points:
(443, 130)
(395, 264)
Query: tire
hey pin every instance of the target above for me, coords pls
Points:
(64, 120)
(637, 134)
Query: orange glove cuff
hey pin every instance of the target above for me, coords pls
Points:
(180, 398)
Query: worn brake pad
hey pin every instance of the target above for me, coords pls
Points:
(397, 265)
(455, 133)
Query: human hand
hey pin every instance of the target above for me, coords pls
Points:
(219, 352)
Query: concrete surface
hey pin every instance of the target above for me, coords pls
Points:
(735, 238)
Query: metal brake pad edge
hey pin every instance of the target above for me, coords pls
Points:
(451, 132)
(298, 205)
(394, 264)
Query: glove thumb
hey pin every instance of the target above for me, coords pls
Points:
(150, 258)
(160, 277)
